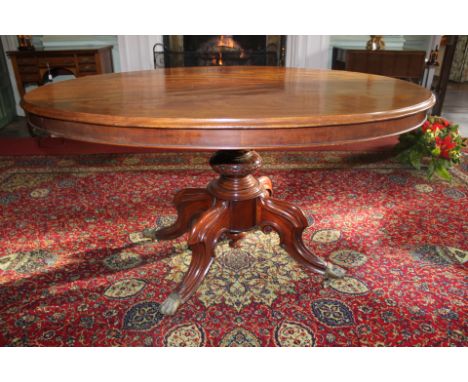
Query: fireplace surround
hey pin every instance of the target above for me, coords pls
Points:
(227, 50)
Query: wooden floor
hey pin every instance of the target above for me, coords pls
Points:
(456, 105)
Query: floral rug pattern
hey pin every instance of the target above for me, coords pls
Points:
(75, 269)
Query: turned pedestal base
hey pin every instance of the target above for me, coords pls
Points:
(231, 205)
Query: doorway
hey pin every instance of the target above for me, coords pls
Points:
(451, 82)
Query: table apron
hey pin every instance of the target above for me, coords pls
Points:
(228, 138)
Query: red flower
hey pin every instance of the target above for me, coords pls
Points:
(444, 122)
(445, 144)
(440, 124)
(437, 126)
(426, 125)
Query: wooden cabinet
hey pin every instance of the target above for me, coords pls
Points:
(404, 64)
(33, 66)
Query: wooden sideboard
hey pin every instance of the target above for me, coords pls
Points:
(404, 64)
(32, 66)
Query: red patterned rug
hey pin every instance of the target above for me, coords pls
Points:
(75, 270)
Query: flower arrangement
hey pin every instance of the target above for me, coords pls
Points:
(437, 141)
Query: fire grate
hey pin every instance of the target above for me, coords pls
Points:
(177, 51)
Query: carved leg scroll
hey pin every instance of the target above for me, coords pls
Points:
(266, 183)
(190, 203)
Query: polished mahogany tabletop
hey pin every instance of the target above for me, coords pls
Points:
(228, 107)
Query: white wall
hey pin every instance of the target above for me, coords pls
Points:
(136, 52)
(307, 51)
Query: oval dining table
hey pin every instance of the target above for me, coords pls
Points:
(232, 111)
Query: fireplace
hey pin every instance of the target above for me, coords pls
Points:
(221, 50)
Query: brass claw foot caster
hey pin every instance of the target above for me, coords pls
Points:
(334, 272)
(170, 305)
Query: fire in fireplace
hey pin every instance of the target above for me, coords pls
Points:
(190, 50)
(216, 46)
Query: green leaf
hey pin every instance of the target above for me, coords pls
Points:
(415, 159)
(410, 137)
(403, 157)
(400, 146)
(442, 173)
(430, 170)
(435, 152)
(406, 141)
(445, 163)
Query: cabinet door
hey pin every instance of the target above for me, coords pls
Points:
(7, 102)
